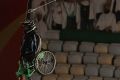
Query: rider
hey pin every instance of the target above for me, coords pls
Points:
(31, 44)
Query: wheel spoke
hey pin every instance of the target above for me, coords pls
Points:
(50, 65)
(45, 69)
(38, 63)
(49, 57)
(41, 67)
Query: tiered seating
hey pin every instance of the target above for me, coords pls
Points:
(86, 47)
(70, 46)
(78, 60)
(55, 45)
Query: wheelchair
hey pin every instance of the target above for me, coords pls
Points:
(33, 59)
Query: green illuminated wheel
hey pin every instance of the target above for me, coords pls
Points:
(45, 62)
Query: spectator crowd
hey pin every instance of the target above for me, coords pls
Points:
(90, 15)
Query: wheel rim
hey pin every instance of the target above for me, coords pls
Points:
(45, 62)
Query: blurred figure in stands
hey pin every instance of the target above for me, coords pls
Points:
(56, 16)
(107, 21)
(117, 10)
(91, 15)
(72, 12)
(84, 14)
(39, 17)
(115, 7)
(98, 7)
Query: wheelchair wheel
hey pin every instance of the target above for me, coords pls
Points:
(45, 62)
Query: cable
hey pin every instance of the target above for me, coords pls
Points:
(32, 10)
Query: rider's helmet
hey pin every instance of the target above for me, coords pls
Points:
(29, 25)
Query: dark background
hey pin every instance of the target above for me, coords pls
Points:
(10, 36)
